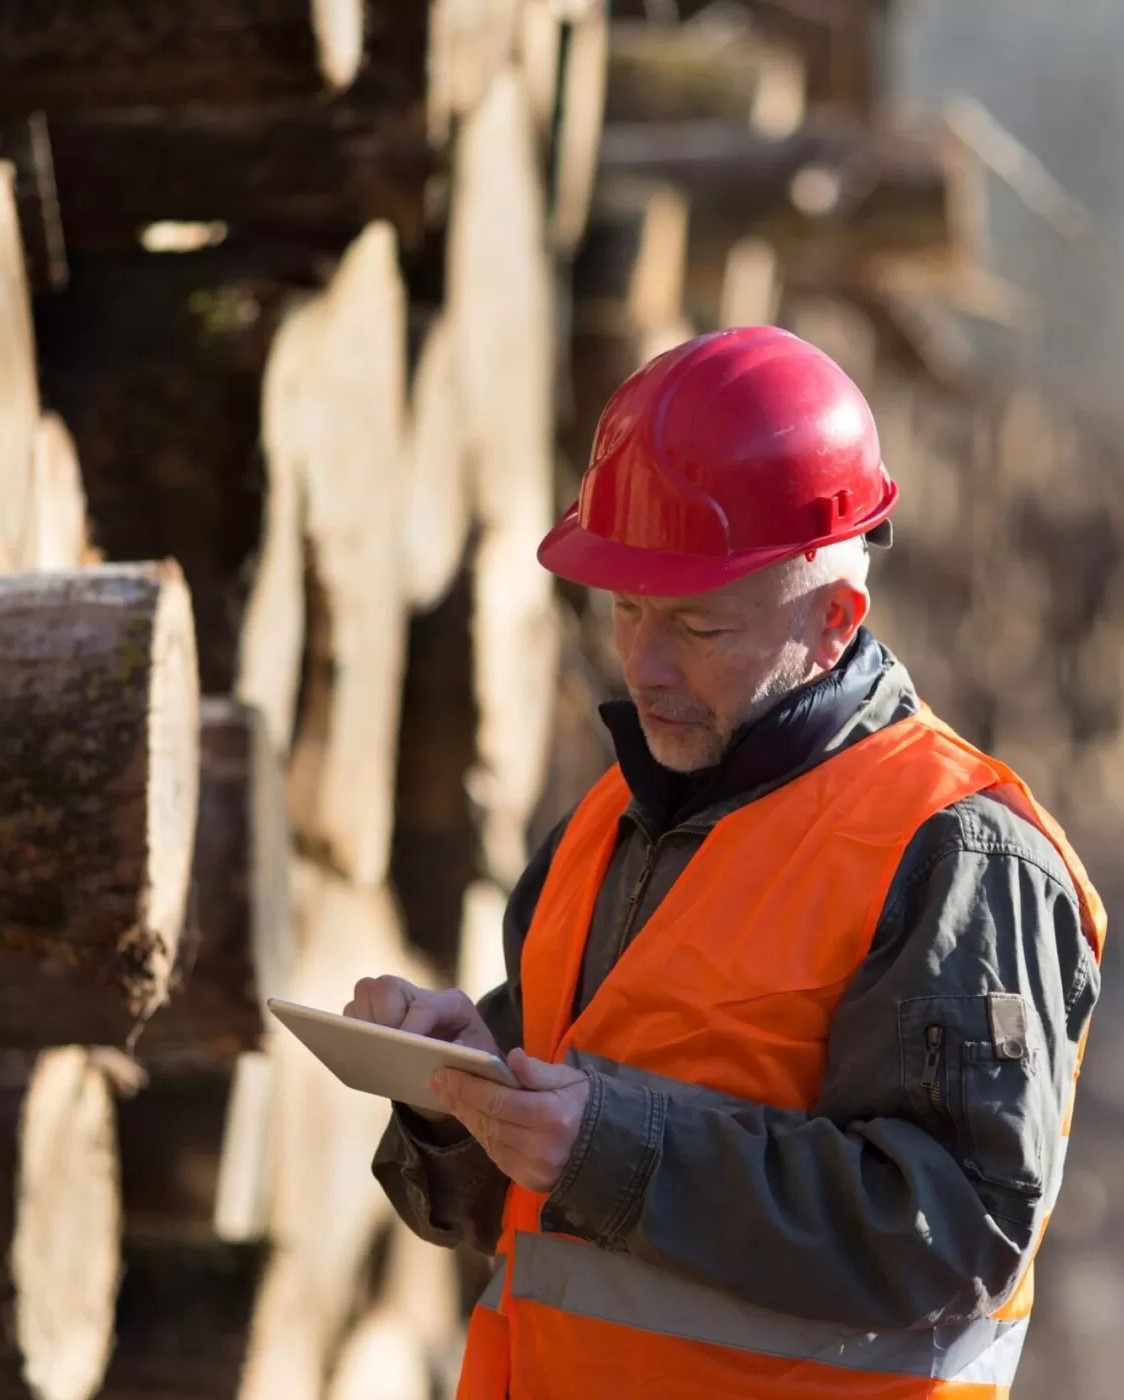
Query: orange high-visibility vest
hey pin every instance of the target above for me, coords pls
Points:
(729, 990)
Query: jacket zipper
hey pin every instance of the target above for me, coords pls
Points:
(930, 1075)
(634, 900)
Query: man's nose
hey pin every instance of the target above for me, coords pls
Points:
(650, 662)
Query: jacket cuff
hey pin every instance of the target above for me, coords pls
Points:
(432, 1137)
(618, 1145)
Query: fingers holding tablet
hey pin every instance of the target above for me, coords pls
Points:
(445, 1015)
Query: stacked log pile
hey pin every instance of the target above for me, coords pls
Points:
(328, 297)
(297, 275)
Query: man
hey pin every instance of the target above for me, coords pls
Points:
(797, 994)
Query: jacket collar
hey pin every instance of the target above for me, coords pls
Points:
(797, 733)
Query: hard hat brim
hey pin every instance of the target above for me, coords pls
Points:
(582, 557)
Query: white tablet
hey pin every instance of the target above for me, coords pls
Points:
(377, 1060)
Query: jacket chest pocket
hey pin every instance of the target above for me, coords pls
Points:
(972, 1071)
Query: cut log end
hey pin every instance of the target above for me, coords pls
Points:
(338, 26)
(66, 1245)
(98, 795)
(61, 541)
(19, 401)
(173, 770)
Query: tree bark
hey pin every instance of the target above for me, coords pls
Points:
(313, 174)
(238, 948)
(19, 400)
(120, 53)
(98, 783)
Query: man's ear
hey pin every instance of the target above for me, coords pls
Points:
(844, 610)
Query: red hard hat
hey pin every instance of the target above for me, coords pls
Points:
(730, 452)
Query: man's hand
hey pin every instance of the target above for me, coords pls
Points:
(394, 1002)
(398, 1004)
(529, 1133)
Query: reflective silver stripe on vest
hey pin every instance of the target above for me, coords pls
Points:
(586, 1281)
(493, 1294)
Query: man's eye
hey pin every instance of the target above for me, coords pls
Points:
(703, 631)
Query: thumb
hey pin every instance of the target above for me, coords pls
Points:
(539, 1074)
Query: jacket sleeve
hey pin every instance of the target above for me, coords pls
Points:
(438, 1178)
(916, 1189)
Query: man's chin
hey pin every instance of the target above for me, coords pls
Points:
(682, 753)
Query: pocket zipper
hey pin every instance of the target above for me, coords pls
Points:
(930, 1075)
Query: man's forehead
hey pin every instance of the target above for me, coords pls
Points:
(713, 603)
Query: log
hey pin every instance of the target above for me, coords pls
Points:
(353, 406)
(272, 639)
(98, 784)
(99, 53)
(238, 947)
(500, 301)
(884, 187)
(750, 288)
(313, 174)
(381, 1360)
(437, 507)
(839, 44)
(26, 143)
(420, 1285)
(65, 1245)
(183, 1319)
(469, 43)
(61, 538)
(245, 1169)
(716, 69)
(19, 402)
(325, 1206)
(630, 271)
(580, 109)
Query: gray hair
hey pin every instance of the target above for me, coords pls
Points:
(846, 562)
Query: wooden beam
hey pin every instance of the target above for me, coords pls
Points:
(82, 54)
(98, 782)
